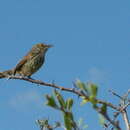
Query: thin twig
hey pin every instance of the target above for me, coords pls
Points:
(115, 124)
(115, 94)
(106, 116)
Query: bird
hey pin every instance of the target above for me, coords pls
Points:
(30, 63)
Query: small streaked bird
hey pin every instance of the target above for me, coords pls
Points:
(30, 63)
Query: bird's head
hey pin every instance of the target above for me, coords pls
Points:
(41, 48)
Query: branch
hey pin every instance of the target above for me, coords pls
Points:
(115, 124)
(125, 118)
(115, 94)
(72, 90)
(123, 107)
(106, 116)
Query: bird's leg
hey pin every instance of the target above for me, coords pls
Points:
(29, 77)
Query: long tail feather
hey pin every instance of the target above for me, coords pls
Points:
(6, 73)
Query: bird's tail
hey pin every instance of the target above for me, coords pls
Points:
(6, 73)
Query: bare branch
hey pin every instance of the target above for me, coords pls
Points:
(126, 120)
(52, 85)
(123, 106)
(115, 94)
(78, 93)
(106, 116)
(115, 124)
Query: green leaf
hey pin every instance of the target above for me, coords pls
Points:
(69, 103)
(84, 100)
(51, 102)
(93, 101)
(104, 108)
(81, 85)
(101, 120)
(60, 99)
(81, 124)
(68, 120)
(93, 89)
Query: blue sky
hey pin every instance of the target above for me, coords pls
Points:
(91, 43)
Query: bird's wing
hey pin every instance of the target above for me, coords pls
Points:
(20, 64)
